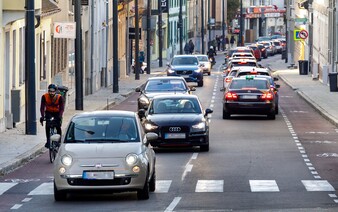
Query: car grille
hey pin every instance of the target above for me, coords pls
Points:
(184, 72)
(85, 182)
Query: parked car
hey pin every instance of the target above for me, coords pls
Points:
(179, 120)
(161, 85)
(206, 63)
(186, 66)
(105, 151)
(249, 95)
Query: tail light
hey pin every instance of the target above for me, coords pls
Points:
(231, 96)
(267, 96)
(227, 79)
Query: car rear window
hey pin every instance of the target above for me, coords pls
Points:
(249, 84)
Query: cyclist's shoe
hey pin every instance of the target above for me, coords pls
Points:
(47, 145)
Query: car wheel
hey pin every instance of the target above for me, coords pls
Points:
(272, 115)
(276, 109)
(143, 193)
(204, 148)
(200, 84)
(152, 183)
(209, 73)
(59, 195)
(226, 115)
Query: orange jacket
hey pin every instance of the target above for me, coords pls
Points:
(51, 104)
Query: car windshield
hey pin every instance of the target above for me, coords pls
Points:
(202, 58)
(175, 105)
(102, 130)
(184, 61)
(157, 85)
(249, 84)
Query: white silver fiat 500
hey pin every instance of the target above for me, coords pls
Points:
(105, 151)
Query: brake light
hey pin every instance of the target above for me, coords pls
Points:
(263, 49)
(231, 96)
(227, 79)
(243, 62)
(253, 72)
(267, 96)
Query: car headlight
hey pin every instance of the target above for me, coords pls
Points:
(131, 159)
(66, 160)
(199, 127)
(170, 71)
(197, 70)
(144, 100)
(150, 127)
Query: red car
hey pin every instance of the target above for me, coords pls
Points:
(257, 52)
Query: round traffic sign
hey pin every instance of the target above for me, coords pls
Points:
(303, 34)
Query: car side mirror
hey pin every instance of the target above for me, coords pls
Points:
(151, 136)
(207, 111)
(168, 64)
(141, 113)
(192, 88)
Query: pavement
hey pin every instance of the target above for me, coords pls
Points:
(17, 148)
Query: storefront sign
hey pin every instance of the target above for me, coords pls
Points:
(64, 30)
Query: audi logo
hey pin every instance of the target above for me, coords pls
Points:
(174, 129)
(184, 72)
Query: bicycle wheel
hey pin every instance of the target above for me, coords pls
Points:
(52, 147)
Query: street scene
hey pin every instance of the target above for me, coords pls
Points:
(215, 105)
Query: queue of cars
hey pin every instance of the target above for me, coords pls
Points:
(112, 151)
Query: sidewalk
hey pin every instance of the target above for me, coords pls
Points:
(16, 147)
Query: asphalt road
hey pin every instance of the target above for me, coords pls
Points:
(254, 164)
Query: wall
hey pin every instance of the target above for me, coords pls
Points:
(2, 42)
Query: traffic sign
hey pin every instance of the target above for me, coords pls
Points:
(296, 35)
(303, 34)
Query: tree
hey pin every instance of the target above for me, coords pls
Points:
(232, 6)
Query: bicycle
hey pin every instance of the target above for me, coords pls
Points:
(54, 145)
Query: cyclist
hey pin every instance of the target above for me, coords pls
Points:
(52, 105)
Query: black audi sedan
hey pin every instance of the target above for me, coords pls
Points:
(179, 120)
(159, 86)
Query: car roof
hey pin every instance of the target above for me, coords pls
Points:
(166, 78)
(185, 55)
(175, 96)
(199, 55)
(248, 68)
(105, 113)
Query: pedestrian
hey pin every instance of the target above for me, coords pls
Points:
(232, 41)
(218, 41)
(187, 48)
(192, 47)
(226, 42)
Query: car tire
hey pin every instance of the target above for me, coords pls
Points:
(200, 84)
(204, 148)
(59, 195)
(226, 115)
(276, 109)
(272, 116)
(209, 73)
(152, 183)
(143, 194)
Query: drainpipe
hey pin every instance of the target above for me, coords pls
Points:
(107, 30)
(91, 47)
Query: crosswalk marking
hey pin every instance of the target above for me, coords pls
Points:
(43, 189)
(317, 185)
(209, 186)
(6, 186)
(162, 186)
(263, 186)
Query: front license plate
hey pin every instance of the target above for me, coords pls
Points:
(98, 175)
(174, 135)
(249, 97)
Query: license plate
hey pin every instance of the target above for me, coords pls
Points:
(98, 175)
(249, 97)
(174, 135)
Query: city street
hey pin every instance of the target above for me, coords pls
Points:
(253, 164)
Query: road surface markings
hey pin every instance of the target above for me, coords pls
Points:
(43, 189)
(26, 200)
(6, 186)
(16, 206)
(173, 204)
(188, 166)
(317, 185)
(209, 186)
(263, 186)
(162, 186)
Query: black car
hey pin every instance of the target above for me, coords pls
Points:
(179, 120)
(161, 85)
(249, 95)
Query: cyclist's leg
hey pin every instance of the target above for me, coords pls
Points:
(48, 116)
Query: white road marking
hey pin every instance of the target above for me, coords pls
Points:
(263, 186)
(326, 155)
(311, 168)
(6, 186)
(26, 200)
(307, 160)
(317, 177)
(173, 204)
(302, 152)
(43, 189)
(296, 140)
(336, 200)
(16, 206)
(314, 172)
(317, 185)
(298, 144)
(194, 156)
(309, 164)
(325, 133)
(300, 148)
(162, 186)
(209, 186)
(298, 111)
(332, 195)
(212, 105)
(188, 166)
